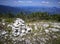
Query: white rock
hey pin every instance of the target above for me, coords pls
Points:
(47, 31)
(54, 29)
(15, 25)
(56, 26)
(23, 31)
(3, 23)
(16, 34)
(45, 25)
(54, 36)
(3, 32)
(35, 27)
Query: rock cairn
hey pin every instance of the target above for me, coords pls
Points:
(19, 28)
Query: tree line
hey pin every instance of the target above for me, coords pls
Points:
(31, 17)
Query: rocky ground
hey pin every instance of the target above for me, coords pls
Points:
(41, 33)
(46, 32)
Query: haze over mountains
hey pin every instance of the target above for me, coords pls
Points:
(29, 9)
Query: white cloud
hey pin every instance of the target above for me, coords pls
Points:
(59, 2)
(44, 2)
(23, 1)
(20, 1)
(34, 3)
(29, 1)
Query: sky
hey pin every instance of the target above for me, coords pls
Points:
(51, 3)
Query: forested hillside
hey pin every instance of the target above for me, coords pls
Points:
(35, 16)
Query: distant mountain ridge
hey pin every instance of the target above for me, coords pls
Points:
(27, 10)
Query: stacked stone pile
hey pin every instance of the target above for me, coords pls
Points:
(19, 28)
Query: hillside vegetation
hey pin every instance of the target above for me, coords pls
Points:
(36, 16)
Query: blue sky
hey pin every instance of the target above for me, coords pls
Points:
(50, 3)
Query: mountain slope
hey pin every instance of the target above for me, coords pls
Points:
(27, 10)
